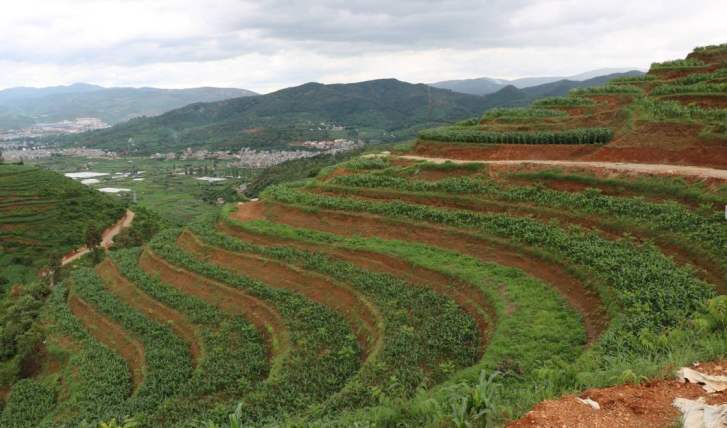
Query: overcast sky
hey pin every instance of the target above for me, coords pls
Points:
(265, 45)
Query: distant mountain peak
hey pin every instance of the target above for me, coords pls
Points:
(488, 85)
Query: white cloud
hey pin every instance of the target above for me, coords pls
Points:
(269, 44)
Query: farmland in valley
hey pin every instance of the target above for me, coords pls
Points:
(399, 291)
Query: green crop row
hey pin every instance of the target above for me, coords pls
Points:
(521, 113)
(667, 188)
(711, 48)
(607, 90)
(572, 136)
(665, 217)
(325, 354)
(101, 381)
(29, 402)
(678, 63)
(669, 109)
(632, 79)
(535, 331)
(167, 358)
(550, 102)
(656, 295)
(426, 335)
(699, 77)
(696, 88)
(234, 353)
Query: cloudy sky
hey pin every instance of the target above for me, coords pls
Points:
(264, 45)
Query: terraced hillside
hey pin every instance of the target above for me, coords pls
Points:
(41, 213)
(390, 291)
(675, 114)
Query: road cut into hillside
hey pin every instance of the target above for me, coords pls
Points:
(107, 238)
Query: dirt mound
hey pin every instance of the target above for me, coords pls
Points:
(646, 405)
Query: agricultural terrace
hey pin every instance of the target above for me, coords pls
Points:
(388, 291)
(675, 114)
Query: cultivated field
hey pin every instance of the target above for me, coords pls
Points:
(398, 292)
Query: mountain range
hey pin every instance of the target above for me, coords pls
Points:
(377, 110)
(22, 107)
(489, 85)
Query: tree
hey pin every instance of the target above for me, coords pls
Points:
(54, 268)
(93, 240)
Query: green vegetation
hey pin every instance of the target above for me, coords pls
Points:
(678, 63)
(571, 136)
(20, 335)
(696, 88)
(571, 101)
(28, 403)
(325, 353)
(43, 214)
(518, 114)
(608, 90)
(167, 188)
(292, 170)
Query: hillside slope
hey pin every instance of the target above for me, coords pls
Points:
(44, 213)
(25, 106)
(487, 85)
(675, 114)
(387, 110)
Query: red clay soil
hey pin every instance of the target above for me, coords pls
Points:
(134, 297)
(231, 300)
(365, 320)
(624, 406)
(464, 151)
(349, 224)
(467, 296)
(649, 142)
(112, 335)
(704, 101)
(708, 270)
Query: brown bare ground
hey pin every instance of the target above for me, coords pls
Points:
(112, 335)
(623, 406)
(585, 301)
(133, 296)
(365, 320)
(467, 296)
(704, 101)
(231, 300)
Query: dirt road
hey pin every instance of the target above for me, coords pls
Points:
(643, 168)
(107, 239)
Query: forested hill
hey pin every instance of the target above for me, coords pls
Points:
(386, 109)
(21, 107)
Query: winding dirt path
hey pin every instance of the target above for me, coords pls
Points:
(112, 335)
(134, 297)
(234, 301)
(362, 316)
(642, 168)
(107, 238)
